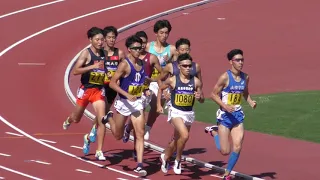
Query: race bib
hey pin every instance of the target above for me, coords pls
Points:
(155, 73)
(96, 78)
(108, 76)
(234, 99)
(184, 99)
(135, 90)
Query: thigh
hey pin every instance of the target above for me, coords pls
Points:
(119, 121)
(138, 120)
(224, 134)
(237, 134)
(99, 108)
(180, 126)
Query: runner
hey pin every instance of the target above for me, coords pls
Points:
(183, 46)
(90, 65)
(165, 52)
(228, 92)
(150, 62)
(113, 58)
(129, 103)
(185, 89)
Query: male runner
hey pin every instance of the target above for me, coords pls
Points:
(182, 46)
(150, 62)
(113, 58)
(185, 89)
(228, 92)
(165, 52)
(131, 75)
(90, 65)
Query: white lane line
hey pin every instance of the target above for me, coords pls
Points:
(20, 173)
(216, 176)
(1, 177)
(29, 8)
(121, 179)
(7, 155)
(44, 140)
(14, 134)
(31, 64)
(84, 171)
(62, 151)
(40, 162)
(77, 147)
(65, 22)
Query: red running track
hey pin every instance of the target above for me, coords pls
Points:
(33, 97)
(257, 31)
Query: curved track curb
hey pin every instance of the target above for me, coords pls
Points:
(147, 144)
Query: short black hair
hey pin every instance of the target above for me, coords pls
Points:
(234, 52)
(182, 41)
(133, 39)
(94, 31)
(142, 34)
(109, 29)
(161, 24)
(183, 57)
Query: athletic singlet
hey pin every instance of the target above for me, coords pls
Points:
(133, 84)
(176, 70)
(111, 65)
(163, 57)
(182, 96)
(95, 77)
(147, 69)
(233, 93)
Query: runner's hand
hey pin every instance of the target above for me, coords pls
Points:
(131, 97)
(98, 65)
(229, 108)
(160, 109)
(253, 104)
(166, 95)
(197, 95)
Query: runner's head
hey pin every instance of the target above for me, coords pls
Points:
(110, 34)
(162, 29)
(185, 63)
(143, 36)
(236, 59)
(134, 45)
(183, 46)
(95, 35)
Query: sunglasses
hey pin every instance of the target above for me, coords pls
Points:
(186, 65)
(238, 59)
(137, 48)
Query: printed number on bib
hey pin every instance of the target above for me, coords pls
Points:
(96, 78)
(184, 99)
(234, 99)
(135, 90)
(108, 76)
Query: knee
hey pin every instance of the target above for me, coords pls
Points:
(118, 136)
(184, 136)
(225, 152)
(237, 147)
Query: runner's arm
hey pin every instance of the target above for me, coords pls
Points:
(164, 73)
(82, 60)
(199, 76)
(155, 63)
(246, 94)
(121, 71)
(215, 95)
(167, 83)
(199, 90)
(122, 55)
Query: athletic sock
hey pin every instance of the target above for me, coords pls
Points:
(217, 141)
(232, 161)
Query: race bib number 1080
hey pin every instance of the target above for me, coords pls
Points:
(184, 99)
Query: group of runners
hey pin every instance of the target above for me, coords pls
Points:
(159, 75)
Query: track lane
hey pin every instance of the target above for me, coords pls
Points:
(45, 117)
(9, 6)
